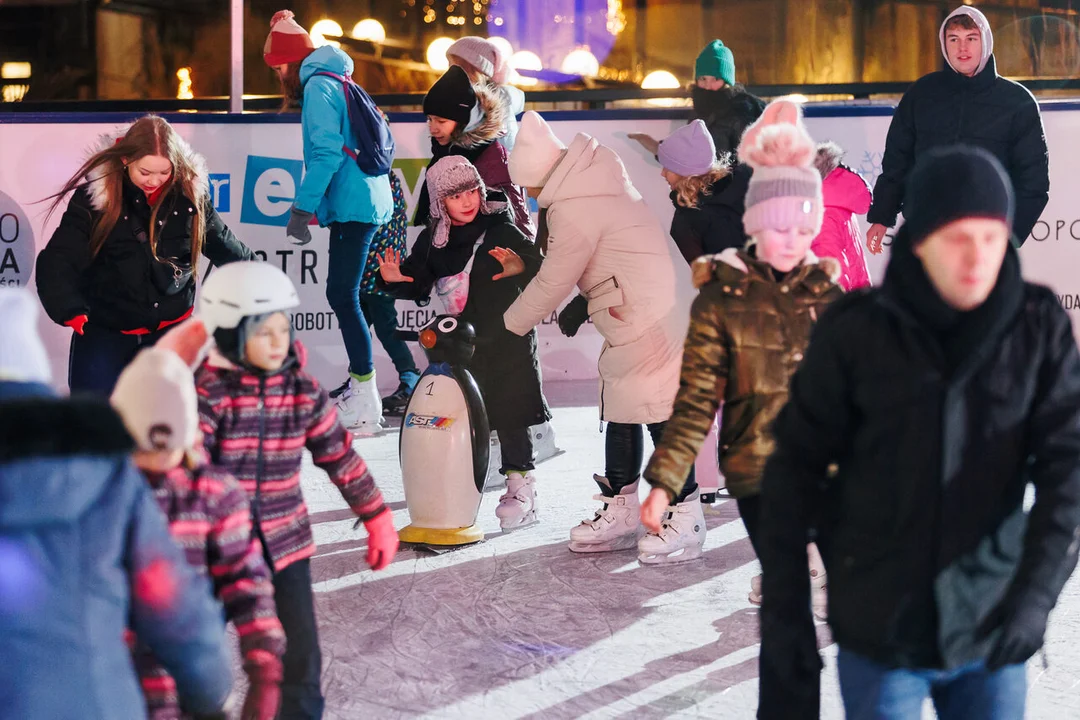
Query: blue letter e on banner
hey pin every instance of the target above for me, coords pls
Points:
(270, 186)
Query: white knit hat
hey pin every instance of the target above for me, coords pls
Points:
(22, 354)
(156, 398)
(483, 55)
(536, 152)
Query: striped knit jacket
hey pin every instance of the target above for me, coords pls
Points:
(210, 519)
(256, 426)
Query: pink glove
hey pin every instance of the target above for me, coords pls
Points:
(265, 674)
(382, 540)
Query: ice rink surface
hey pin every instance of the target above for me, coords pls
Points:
(519, 627)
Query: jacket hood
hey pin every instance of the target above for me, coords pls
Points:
(58, 457)
(489, 118)
(326, 59)
(984, 29)
(844, 188)
(587, 170)
(99, 189)
(819, 272)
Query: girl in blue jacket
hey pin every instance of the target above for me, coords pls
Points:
(336, 192)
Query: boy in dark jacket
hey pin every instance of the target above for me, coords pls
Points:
(967, 102)
(917, 418)
(474, 258)
(86, 554)
(210, 519)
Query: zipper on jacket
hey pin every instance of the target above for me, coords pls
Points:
(256, 509)
(598, 372)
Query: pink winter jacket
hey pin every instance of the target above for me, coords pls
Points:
(846, 195)
(605, 241)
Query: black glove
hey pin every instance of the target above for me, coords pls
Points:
(1023, 627)
(574, 315)
(298, 226)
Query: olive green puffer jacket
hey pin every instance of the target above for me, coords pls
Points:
(748, 333)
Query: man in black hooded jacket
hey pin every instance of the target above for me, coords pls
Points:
(918, 417)
(969, 103)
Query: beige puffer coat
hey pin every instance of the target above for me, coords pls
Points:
(605, 240)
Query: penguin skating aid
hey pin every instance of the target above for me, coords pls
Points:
(444, 442)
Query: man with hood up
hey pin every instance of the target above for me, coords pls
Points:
(966, 102)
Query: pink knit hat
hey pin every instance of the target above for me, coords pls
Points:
(483, 55)
(785, 189)
(287, 41)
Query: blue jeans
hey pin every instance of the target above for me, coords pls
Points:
(97, 358)
(381, 312)
(876, 692)
(349, 244)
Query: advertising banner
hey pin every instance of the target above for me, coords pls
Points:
(256, 167)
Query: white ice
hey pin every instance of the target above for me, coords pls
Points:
(519, 627)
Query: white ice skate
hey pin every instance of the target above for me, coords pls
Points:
(682, 535)
(543, 437)
(360, 407)
(615, 526)
(517, 506)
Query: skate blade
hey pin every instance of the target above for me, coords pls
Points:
(367, 431)
(529, 521)
(629, 543)
(679, 556)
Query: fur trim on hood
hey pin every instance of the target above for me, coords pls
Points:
(54, 427)
(828, 158)
(704, 268)
(99, 189)
(490, 125)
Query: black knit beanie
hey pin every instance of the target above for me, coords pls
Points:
(953, 183)
(451, 97)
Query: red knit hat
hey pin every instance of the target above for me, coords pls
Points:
(287, 41)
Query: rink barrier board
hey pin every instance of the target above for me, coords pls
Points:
(256, 163)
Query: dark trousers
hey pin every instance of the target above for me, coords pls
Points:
(97, 358)
(301, 693)
(750, 512)
(516, 447)
(624, 446)
(349, 244)
(381, 313)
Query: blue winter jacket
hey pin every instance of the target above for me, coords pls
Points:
(77, 524)
(334, 186)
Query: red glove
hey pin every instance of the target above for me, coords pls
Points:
(382, 539)
(264, 673)
(155, 585)
(77, 323)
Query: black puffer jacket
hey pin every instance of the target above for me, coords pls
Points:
(727, 113)
(946, 108)
(716, 223)
(506, 366)
(918, 454)
(115, 289)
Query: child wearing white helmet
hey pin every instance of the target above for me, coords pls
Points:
(259, 409)
(208, 514)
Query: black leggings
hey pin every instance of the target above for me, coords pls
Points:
(516, 447)
(750, 512)
(624, 446)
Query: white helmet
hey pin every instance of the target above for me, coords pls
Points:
(241, 289)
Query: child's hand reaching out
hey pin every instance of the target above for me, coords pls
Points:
(390, 267)
(511, 262)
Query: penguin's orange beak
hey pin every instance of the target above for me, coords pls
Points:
(428, 338)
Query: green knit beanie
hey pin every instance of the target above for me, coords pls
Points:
(717, 61)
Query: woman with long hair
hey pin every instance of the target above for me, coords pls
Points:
(343, 197)
(120, 268)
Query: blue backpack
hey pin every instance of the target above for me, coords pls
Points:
(375, 145)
